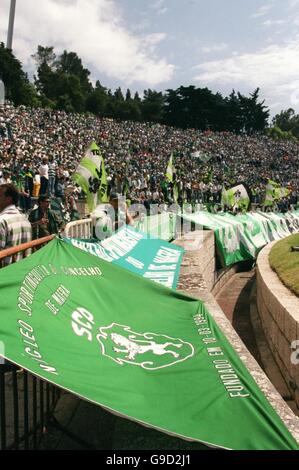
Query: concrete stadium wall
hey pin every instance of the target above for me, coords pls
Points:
(278, 309)
(197, 278)
(199, 264)
(201, 246)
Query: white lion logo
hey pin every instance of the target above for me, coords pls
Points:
(149, 350)
(133, 348)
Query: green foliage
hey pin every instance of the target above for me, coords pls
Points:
(44, 55)
(17, 86)
(288, 122)
(152, 106)
(63, 83)
(278, 134)
(199, 108)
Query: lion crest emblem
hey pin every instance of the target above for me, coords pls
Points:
(148, 350)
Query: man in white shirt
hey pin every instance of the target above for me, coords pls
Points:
(44, 175)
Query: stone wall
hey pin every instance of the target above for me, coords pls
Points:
(279, 312)
(199, 264)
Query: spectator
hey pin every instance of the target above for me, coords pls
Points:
(44, 175)
(43, 220)
(14, 226)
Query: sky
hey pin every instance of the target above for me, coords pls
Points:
(161, 44)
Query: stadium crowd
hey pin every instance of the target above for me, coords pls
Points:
(46, 146)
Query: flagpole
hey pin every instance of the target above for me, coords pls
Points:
(11, 23)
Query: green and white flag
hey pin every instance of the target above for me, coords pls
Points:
(91, 177)
(274, 192)
(241, 237)
(236, 196)
(138, 349)
(170, 170)
(202, 156)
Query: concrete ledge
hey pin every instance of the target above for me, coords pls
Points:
(279, 312)
(198, 267)
(193, 282)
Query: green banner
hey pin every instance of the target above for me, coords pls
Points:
(149, 257)
(241, 237)
(136, 348)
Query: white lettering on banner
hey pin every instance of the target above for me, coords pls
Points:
(32, 349)
(29, 285)
(161, 267)
(51, 307)
(59, 297)
(93, 249)
(135, 262)
(164, 278)
(82, 322)
(167, 255)
(227, 373)
(199, 319)
(121, 244)
(86, 271)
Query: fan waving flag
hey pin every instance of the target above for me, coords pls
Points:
(91, 177)
(237, 196)
(274, 192)
(137, 348)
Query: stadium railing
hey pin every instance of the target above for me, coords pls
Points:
(26, 401)
(79, 229)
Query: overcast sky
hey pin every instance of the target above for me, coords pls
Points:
(160, 44)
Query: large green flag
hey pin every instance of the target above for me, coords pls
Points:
(91, 177)
(136, 348)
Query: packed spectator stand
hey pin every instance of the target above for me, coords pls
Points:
(136, 156)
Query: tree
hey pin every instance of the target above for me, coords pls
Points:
(70, 64)
(278, 134)
(17, 86)
(45, 55)
(152, 106)
(254, 114)
(287, 121)
(128, 95)
(118, 94)
(97, 100)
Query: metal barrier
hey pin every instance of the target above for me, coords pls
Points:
(79, 229)
(26, 402)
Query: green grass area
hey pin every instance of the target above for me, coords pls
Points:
(286, 263)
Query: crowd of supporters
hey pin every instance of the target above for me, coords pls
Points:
(42, 146)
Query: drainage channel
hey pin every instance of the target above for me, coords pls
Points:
(237, 299)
